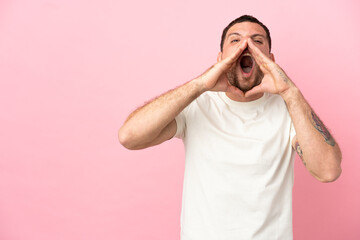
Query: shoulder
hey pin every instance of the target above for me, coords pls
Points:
(206, 99)
(207, 103)
(208, 96)
(275, 101)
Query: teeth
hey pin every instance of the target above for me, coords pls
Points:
(247, 54)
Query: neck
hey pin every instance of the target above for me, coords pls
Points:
(239, 98)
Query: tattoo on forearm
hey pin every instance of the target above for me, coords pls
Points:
(283, 75)
(317, 123)
(299, 151)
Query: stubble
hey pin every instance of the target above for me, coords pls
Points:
(234, 78)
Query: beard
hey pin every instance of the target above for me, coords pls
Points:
(234, 78)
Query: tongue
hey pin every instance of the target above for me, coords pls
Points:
(246, 64)
(246, 69)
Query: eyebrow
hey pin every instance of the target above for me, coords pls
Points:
(252, 36)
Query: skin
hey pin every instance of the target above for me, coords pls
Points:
(240, 33)
(155, 122)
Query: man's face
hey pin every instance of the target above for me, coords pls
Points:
(246, 74)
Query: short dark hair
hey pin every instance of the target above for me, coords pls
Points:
(245, 18)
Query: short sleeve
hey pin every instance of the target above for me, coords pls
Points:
(292, 132)
(180, 125)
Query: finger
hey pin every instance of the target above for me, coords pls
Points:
(238, 51)
(261, 59)
(235, 90)
(236, 54)
(254, 90)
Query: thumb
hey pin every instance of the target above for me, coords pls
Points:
(235, 90)
(254, 90)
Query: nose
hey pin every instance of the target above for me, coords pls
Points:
(245, 39)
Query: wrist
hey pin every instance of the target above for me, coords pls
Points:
(291, 95)
(200, 85)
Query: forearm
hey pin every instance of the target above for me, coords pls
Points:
(154, 122)
(147, 122)
(315, 145)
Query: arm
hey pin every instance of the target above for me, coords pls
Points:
(313, 142)
(155, 122)
(316, 147)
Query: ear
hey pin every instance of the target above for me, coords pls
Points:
(272, 57)
(219, 57)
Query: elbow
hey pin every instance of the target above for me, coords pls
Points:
(125, 139)
(330, 176)
(332, 171)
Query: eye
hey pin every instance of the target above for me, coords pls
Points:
(234, 40)
(258, 41)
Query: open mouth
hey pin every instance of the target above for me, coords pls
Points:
(246, 63)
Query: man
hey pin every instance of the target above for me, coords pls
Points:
(240, 121)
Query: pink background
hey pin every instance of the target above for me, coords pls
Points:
(71, 72)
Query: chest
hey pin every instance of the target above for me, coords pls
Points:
(242, 137)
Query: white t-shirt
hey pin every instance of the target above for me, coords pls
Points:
(238, 169)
